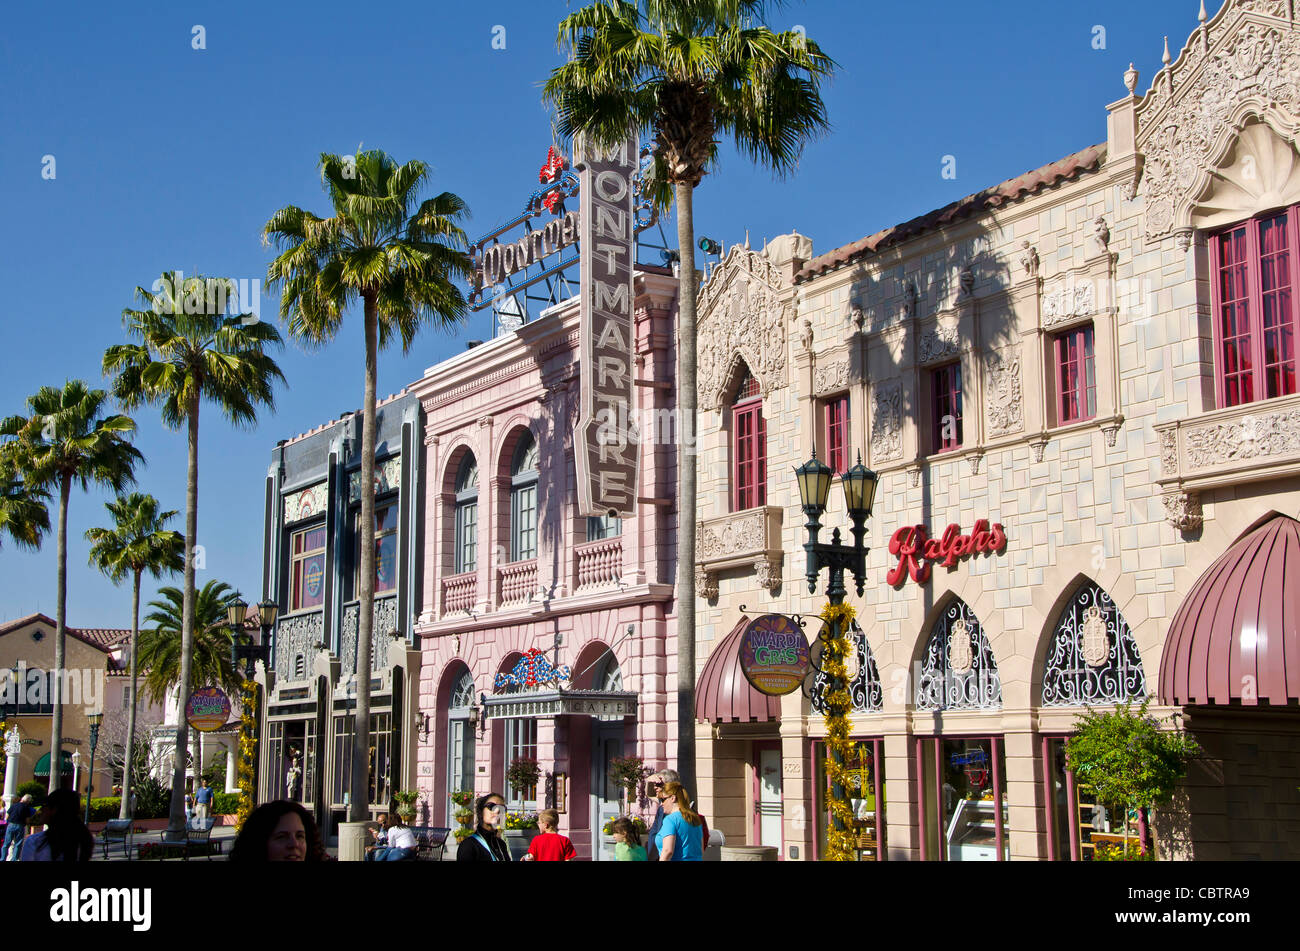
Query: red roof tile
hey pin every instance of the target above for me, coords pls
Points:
(101, 638)
(1011, 190)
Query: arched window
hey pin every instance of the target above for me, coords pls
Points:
(460, 737)
(958, 671)
(1093, 657)
(523, 500)
(608, 675)
(865, 693)
(748, 447)
(465, 557)
(462, 695)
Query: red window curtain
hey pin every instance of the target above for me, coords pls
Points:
(946, 403)
(1076, 379)
(1256, 311)
(749, 455)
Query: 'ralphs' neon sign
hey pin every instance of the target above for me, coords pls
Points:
(917, 552)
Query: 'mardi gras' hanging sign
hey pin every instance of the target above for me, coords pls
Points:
(916, 551)
(604, 442)
(774, 654)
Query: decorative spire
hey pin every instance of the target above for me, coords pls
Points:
(1131, 79)
(1202, 17)
(1166, 59)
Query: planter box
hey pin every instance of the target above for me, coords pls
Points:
(518, 841)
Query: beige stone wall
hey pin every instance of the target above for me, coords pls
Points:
(1080, 501)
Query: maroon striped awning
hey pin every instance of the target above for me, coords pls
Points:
(1234, 639)
(723, 695)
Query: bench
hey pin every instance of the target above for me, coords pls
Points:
(430, 842)
(119, 831)
(198, 832)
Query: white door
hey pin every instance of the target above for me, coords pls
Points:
(460, 767)
(606, 745)
(769, 797)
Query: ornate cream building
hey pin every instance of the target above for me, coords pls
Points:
(1096, 359)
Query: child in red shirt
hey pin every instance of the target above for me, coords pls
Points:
(549, 846)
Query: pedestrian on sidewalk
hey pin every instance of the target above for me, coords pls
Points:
(65, 838)
(681, 836)
(627, 841)
(202, 801)
(279, 831)
(654, 787)
(487, 844)
(549, 846)
(19, 815)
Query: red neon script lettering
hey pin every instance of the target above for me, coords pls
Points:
(915, 550)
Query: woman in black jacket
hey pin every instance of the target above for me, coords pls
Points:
(487, 844)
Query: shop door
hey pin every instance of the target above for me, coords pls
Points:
(606, 744)
(767, 796)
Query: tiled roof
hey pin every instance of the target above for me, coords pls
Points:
(1011, 190)
(101, 638)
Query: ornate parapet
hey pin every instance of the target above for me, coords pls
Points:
(297, 634)
(749, 539)
(1248, 443)
(384, 624)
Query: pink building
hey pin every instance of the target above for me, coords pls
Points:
(511, 566)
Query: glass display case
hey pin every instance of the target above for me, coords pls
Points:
(972, 832)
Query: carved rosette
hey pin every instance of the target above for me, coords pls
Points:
(887, 422)
(831, 377)
(1186, 121)
(706, 584)
(768, 572)
(941, 343)
(1003, 400)
(1069, 302)
(1183, 510)
(1253, 437)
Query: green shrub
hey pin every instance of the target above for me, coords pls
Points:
(105, 808)
(225, 803)
(35, 788)
(152, 798)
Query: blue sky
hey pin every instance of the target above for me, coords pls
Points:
(166, 156)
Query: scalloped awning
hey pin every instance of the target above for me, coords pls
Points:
(1234, 639)
(723, 695)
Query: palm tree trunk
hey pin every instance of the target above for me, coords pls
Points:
(60, 637)
(358, 810)
(130, 720)
(686, 495)
(176, 815)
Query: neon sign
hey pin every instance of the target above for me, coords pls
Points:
(917, 552)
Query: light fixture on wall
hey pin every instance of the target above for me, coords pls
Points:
(422, 727)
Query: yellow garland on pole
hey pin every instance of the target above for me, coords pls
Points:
(839, 842)
(247, 748)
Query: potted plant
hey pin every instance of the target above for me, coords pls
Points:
(627, 773)
(637, 821)
(521, 829)
(1129, 762)
(405, 807)
(463, 800)
(523, 775)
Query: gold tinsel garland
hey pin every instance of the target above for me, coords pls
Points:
(247, 748)
(840, 843)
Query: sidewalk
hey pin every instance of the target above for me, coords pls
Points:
(223, 834)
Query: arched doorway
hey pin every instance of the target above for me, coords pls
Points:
(460, 739)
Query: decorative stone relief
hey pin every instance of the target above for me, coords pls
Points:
(1182, 510)
(1029, 258)
(1095, 645)
(388, 476)
(744, 533)
(975, 458)
(940, 343)
(1005, 409)
(960, 655)
(384, 624)
(706, 584)
(768, 572)
(1038, 445)
(806, 336)
(305, 503)
(296, 635)
(747, 322)
(1066, 303)
(966, 283)
(914, 475)
(857, 317)
(1185, 122)
(831, 377)
(1100, 234)
(1168, 451)
(1253, 437)
(1111, 432)
(887, 422)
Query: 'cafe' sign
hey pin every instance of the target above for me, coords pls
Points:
(916, 551)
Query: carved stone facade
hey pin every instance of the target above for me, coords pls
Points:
(1066, 303)
(1002, 397)
(831, 377)
(887, 422)
(941, 343)
(1183, 510)
(295, 635)
(384, 624)
(1255, 436)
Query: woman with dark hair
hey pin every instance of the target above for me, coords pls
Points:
(279, 831)
(66, 838)
(487, 844)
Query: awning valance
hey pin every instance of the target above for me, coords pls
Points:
(602, 704)
(43, 765)
(723, 695)
(1234, 638)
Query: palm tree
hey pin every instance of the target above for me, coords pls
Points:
(23, 513)
(161, 642)
(399, 261)
(188, 352)
(67, 440)
(137, 542)
(686, 71)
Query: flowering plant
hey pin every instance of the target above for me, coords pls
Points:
(521, 820)
(523, 774)
(637, 822)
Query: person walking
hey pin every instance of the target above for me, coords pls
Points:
(487, 844)
(627, 841)
(202, 801)
(19, 816)
(681, 837)
(65, 838)
(279, 831)
(654, 786)
(550, 846)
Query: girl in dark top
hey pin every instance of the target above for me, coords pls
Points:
(66, 838)
(279, 831)
(487, 844)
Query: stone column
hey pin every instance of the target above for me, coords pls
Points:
(13, 750)
(231, 770)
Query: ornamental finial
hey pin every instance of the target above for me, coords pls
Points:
(1166, 58)
(1202, 17)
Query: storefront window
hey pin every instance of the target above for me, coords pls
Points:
(307, 569)
(1093, 657)
(866, 789)
(380, 790)
(962, 780)
(958, 671)
(1077, 823)
(385, 549)
(521, 743)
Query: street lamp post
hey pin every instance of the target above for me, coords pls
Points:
(95, 720)
(814, 478)
(243, 648)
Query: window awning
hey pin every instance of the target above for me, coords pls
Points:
(43, 765)
(1234, 639)
(602, 704)
(723, 695)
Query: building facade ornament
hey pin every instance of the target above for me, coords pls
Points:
(706, 584)
(1101, 234)
(1235, 66)
(941, 343)
(1168, 451)
(1068, 302)
(1111, 432)
(1038, 445)
(975, 458)
(767, 571)
(1252, 437)
(914, 475)
(1003, 399)
(1183, 510)
(306, 503)
(749, 325)
(1029, 258)
(887, 422)
(388, 476)
(747, 531)
(831, 377)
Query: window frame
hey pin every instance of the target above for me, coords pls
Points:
(381, 505)
(296, 558)
(748, 476)
(835, 422)
(524, 500)
(1257, 375)
(1084, 393)
(938, 445)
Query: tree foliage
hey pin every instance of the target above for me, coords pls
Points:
(1126, 757)
(160, 644)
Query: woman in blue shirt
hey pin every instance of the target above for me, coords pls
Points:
(681, 838)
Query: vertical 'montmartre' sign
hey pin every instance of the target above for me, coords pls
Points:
(605, 441)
